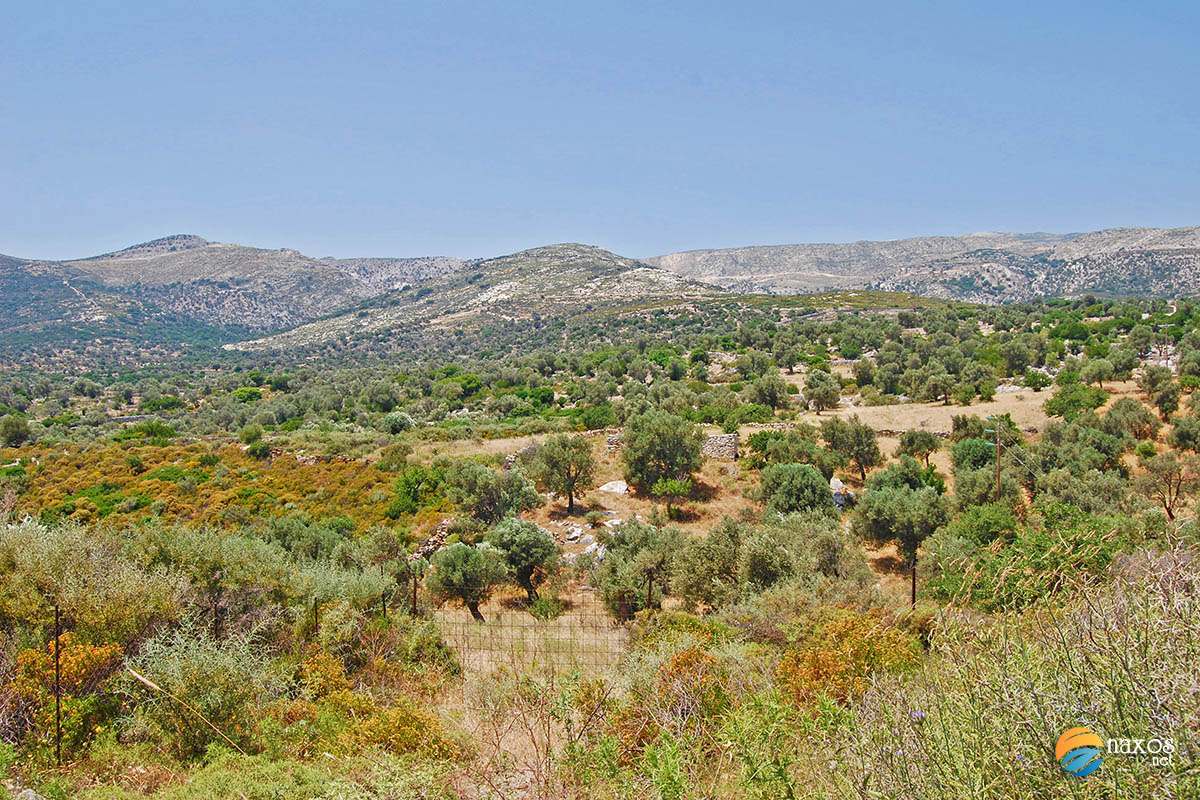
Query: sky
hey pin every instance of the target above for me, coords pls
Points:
(475, 129)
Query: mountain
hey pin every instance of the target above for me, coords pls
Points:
(550, 282)
(36, 295)
(157, 299)
(165, 297)
(231, 285)
(980, 267)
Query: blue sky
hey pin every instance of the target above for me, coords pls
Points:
(466, 129)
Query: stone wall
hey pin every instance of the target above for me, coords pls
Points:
(723, 447)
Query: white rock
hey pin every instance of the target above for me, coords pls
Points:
(615, 487)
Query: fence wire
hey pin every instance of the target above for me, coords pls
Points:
(584, 638)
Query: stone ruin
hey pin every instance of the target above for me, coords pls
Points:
(723, 447)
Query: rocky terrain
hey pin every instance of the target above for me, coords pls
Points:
(982, 267)
(233, 286)
(180, 291)
(544, 282)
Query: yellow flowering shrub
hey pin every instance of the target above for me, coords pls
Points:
(839, 656)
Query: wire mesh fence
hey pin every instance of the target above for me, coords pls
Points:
(583, 638)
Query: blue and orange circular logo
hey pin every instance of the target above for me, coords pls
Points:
(1079, 751)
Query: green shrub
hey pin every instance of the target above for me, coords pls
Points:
(193, 684)
(166, 402)
(247, 394)
(1072, 399)
(547, 608)
(149, 431)
(417, 487)
(1068, 547)
(788, 488)
(398, 422)
(260, 450)
(14, 431)
(598, 416)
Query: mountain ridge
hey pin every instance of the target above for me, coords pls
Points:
(184, 288)
(1025, 266)
(238, 286)
(548, 281)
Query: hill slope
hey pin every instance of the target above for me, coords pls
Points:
(232, 285)
(983, 267)
(545, 282)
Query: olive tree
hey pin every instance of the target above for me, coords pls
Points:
(1128, 416)
(796, 487)
(14, 431)
(769, 390)
(529, 552)
(490, 496)
(467, 573)
(564, 464)
(672, 491)
(918, 444)
(821, 390)
(901, 515)
(1185, 433)
(1168, 480)
(1166, 399)
(635, 573)
(659, 446)
(1153, 378)
(1097, 371)
(855, 440)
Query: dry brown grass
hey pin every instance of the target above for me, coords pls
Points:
(722, 490)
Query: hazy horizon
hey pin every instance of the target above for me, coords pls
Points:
(535, 245)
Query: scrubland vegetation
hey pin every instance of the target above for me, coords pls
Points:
(264, 578)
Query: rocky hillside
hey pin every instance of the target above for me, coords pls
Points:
(166, 295)
(983, 267)
(227, 285)
(545, 282)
